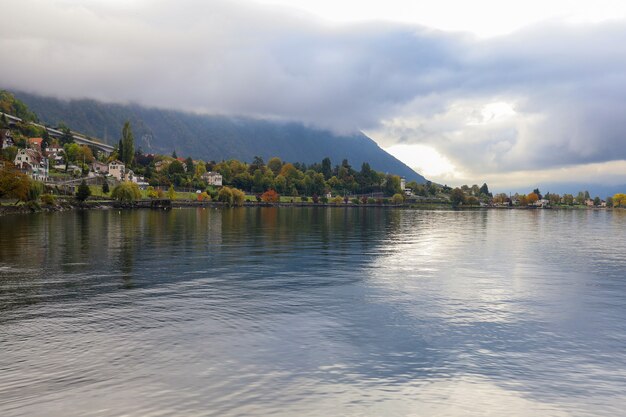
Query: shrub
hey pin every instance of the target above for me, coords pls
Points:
(48, 200)
(126, 191)
(270, 196)
(356, 201)
(397, 198)
(204, 197)
(35, 190)
(304, 199)
(337, 200)
(105, 187)
(171, 193)
(151, 192)
(212, 192)
(324, 200)
(371, 200)
(364, 200)
(315, 198)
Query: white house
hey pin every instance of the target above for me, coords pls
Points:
(117, 170)
(6, 139)
(33, 163)
(403, 184)
(212, 178)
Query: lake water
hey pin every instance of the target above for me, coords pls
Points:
(320, 312)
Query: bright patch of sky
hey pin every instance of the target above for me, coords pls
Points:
(484, 18)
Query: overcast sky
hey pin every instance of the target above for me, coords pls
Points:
(512, 93)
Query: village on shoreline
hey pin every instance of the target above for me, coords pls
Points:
(44, 168)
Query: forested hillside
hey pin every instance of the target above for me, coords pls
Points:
(214, 137)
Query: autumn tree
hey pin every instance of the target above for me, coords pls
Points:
(619, 200)
(532, 197)
(14, 184)
(270, 196)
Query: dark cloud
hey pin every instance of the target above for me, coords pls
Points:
(567, 83)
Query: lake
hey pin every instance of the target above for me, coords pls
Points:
(313, 312)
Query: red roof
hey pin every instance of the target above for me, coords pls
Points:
(36, 141)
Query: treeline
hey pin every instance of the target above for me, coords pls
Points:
(257, 177)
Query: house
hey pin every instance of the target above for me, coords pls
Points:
(161, 165)
(55, 149)
(33, 163)
(6, 139)
(212, 178)
(132, 177)
(117, 170)
(35, 143)
(589, 203)
(100, 167)
(542, 203)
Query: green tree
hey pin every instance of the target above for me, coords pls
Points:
(83, 192)
(128, 142)
(225, 195)
(105, 187)
(275, 165)
(9, 153)
(597, 201)
(189, 165)
(327, 168)
(66, 137)
(457, 197)
(397, 199)
(199, 169)
(127, 192)
(175, 168)
(120, 150)
(392, 185)
(568, 199)
(238, 197)
(45, 140)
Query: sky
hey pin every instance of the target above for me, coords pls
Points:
(515, 94)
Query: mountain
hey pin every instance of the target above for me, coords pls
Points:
(214, 137)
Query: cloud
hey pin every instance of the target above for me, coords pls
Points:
(564, 84)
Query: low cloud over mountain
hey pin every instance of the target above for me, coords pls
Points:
(549, 96)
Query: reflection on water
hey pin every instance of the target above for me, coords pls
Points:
(313, 312)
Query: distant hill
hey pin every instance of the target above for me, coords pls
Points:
(214, 137)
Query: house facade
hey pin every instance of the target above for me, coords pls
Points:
(213, 178)
(100, 168)
(117, 170)
(32, 163)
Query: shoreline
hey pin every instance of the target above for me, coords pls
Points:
(30, 208)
